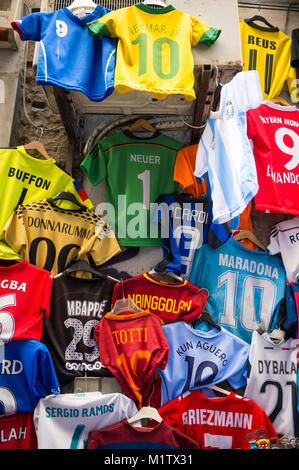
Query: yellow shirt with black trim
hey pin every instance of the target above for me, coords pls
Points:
(154, 48)
(268, 50)
(51, 237)
(26, 179)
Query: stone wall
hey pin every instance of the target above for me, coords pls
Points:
(39, 122)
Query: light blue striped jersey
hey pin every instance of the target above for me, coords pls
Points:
(224, 150)
(69, 56)
(246, 287)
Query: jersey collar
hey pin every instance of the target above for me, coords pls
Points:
(150, 278)
(154, 11)
(127, 315)
(96, 13)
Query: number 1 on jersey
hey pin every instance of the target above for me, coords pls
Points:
(145, 178)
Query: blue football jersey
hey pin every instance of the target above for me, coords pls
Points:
(186, 223)
(26, 375)
(246, 287)
(69, 56)
(201, 358)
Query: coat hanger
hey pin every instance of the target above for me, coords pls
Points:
(63, 195)
(222, 390)
(155, 3)
(146, 412)
(82, 4)
(280, 100)
(206, 317)
(84, 266)
(247, 234)
(142, 124)
(124, 304)
(163, 274)
(251, 22)
(37, 145)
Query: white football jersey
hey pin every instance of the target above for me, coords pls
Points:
(284, 239)
(224, 150)
(64, 421)
(271, 382)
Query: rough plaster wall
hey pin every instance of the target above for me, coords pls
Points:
(45, 125)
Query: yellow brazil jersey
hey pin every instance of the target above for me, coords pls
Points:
(154, 48)
(51, 237)
(27, 179)
(268, 50)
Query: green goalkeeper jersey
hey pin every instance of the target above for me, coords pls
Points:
(137, 171)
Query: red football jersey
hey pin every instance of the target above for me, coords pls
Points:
(132, 346)
(17, 432)
(171, 301)
(216, 423)
(274, 131)
(25, 292)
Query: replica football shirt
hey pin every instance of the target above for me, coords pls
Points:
(27, 179)
(77, 305)
(184, 174)
(268, 50)
(224, 150)
(186, 223)
(246, 287)
(274, 132)
(68, 55)
(133, 346)
(201, 358)
(125, 436)
(154, 48)
(26, 375)
(51, 237)
(64, 421)
(216, 423)
(170, 301)
(17, 432)
(25, 292)
(271, 384)
(284, 239)
(133, 167)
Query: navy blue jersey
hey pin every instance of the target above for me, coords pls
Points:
(186, 223)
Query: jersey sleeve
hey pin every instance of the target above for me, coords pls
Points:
(202, 33)
(273, 246)
(29, 27)
(94, 164)
(46, 382)
(104, 26)
(78, 191)
(291, 307)
(293, 82)
(205, 146)
(239, 378)
(105, 245)
(46, 284)
(171, 412)
(14, 232)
